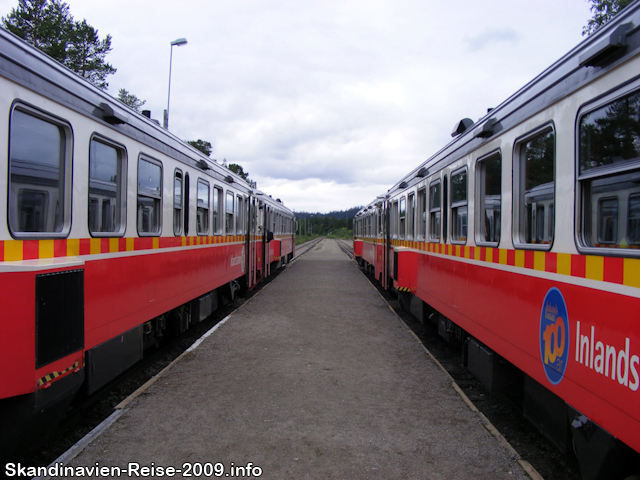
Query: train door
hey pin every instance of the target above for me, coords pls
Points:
(266, 218)
(386, 235)
(252, 225)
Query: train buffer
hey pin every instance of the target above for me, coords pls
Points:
(313, 378)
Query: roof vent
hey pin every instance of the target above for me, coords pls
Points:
(203, 165)
(615, 42)
(487, 129)
(110, 116)
(423, 172)
(461, 127)
(403, 185)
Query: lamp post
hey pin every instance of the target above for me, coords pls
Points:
(179, 42)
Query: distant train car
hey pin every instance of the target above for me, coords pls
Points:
(521, 240)
(115, 233)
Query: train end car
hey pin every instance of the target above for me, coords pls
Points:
(520, 240)
(115, 233)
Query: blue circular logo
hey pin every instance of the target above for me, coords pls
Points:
(554, 336)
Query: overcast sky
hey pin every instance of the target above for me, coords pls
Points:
(328, 103)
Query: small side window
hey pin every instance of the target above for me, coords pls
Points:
(177, 203)
(394, 219)
(218, 203)
(240, 215)
(435, 214)
(535, 167)
(107, 182)
(411, 214)
(422, 214)
(402, 215)
(609, 175)
(459, 206)
(489, 174)
(229, 223)
(202, 219)
(149, 196)
(39, 175)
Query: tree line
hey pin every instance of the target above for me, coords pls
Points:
(310, 223)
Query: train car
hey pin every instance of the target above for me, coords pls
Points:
(520, 239)
(114, 233)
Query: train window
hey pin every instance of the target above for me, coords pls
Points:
(177, 203)
(459, 206)
(40, 150)
(107, 182)
(609, 174)
(217, 213)
(633, 222)
(240, 215)
(435, 214)
(411, 209)
(535, 167)
(229, 225)
(402, 214)
(394, 219)
(490, 191)
(202, 211)
(149, 196)
(422, 214)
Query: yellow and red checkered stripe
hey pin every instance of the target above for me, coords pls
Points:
(618, 270)
(19, 250)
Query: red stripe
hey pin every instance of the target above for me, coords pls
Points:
(578, 266)
(30, 250)
(528, 259)
(59, 248)
(613, 270)
(551, 262)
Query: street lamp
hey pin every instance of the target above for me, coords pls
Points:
(179, 42)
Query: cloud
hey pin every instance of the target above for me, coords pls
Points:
(328, 103)
(491, 37)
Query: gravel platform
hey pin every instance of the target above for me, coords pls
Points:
(313, 378)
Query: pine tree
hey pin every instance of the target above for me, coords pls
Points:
(49, 26)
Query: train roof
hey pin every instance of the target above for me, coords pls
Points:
(31, 68)
(611, 45)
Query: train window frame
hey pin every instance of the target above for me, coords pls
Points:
(394, 219)
(482, 196)
(411, 216)
(402, 217)
(240, 216)
(459, 209)
(203, 209)
(178, 207)
(523, 224)
(229, 217)
(121, 187)
(147, 195)
(421, 213)
(218, 210)
(435, 212)
(62, 220)
(594, 178)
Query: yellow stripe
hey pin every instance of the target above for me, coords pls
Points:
(539, 259)
(94, 246)
(631, 277)
(563, 261)
(594, 268)
(519, 260)
(45, 249)
(12, 250)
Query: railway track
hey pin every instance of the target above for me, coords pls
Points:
(346, 247)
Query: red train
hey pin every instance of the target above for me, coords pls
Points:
(521, 240)
(115, 232)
